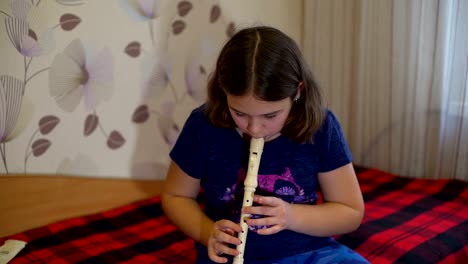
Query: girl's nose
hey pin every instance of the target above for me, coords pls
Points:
(254, 127)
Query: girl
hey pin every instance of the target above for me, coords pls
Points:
(261, 87)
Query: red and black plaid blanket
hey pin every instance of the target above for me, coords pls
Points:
(411, 220)
(407, 221)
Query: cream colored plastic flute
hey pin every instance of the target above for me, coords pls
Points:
(250, 184)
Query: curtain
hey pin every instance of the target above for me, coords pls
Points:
(395, 73)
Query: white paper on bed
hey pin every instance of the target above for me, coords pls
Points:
(9, 250)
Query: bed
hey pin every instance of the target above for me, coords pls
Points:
(407, 221)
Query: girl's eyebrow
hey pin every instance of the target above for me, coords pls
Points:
(271, 113)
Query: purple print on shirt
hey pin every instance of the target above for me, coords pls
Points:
(282, 186)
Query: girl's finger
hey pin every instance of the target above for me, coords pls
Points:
(226, 224)
(226, 237)
(260, 210)
(264, 221)
(269, 230)
(267, 200)
(217, 257)
(224, 249)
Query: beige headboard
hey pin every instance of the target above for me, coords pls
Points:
(34, 200)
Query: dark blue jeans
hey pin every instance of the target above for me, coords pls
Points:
(332, 253)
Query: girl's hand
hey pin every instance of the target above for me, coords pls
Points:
(223, 234)
(275, 212)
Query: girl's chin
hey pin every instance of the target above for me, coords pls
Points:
(270, 138)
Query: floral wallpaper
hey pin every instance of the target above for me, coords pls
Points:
(102, 88)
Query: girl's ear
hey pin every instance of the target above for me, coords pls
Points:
(300, 86)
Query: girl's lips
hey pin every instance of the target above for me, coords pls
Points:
(266, 138)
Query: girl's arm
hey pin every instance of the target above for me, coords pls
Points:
(342, 210)
(179, 203)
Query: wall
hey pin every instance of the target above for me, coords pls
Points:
(102, 88)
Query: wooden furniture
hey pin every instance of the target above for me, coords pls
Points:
(35, 200)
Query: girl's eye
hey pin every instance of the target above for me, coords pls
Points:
(239, 114)
(270, 116)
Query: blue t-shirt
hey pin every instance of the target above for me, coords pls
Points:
(219, 156)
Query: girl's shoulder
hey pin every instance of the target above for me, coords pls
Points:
(198, 117)
(329, 121)
(198, 122)
(330, 127)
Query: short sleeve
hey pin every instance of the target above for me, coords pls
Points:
(333, 149)
(187, 152)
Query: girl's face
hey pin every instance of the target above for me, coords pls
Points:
(259, 118)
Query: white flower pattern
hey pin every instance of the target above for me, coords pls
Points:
(72, 78)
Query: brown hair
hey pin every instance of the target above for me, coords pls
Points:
(267, 63)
